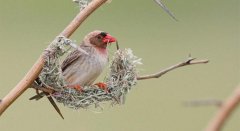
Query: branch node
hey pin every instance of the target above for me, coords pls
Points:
(189, 60)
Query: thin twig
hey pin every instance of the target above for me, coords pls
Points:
(189, 61)
(54, 104)
(204, 102)
(225, 111)
(37, 67)
(160, 3)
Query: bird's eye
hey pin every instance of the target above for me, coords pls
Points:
(99, 37)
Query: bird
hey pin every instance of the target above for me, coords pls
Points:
(82, 68)
(83, 65)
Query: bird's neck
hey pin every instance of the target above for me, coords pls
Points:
(91, 48)
(101, 50)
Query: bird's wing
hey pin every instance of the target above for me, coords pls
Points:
(70, 59)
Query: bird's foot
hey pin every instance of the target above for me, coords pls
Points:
(76, 87)
(102, 86)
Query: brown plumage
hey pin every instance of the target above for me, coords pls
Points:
(81, 69)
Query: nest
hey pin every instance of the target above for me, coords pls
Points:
(121, 77)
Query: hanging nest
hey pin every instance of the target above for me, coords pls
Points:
(121, 77)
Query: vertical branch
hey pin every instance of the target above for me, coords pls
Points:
(37, 67)
(225, 111)
(22, 85)
(78, 20)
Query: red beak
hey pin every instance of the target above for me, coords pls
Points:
(109, 39)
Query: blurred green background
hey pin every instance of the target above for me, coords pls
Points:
(208, 29)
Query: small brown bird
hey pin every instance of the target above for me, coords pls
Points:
(82, 68)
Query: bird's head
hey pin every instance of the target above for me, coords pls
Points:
(99, 39)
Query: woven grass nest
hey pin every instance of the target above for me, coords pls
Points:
(121, 77)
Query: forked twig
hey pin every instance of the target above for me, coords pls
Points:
(189, 61)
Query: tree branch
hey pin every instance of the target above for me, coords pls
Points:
(225, 111)
(37, 67)
(189, 61)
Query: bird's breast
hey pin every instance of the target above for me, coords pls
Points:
(85, 71)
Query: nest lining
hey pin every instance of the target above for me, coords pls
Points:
(121, 77)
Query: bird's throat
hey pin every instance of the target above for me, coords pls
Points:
(102, 50)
